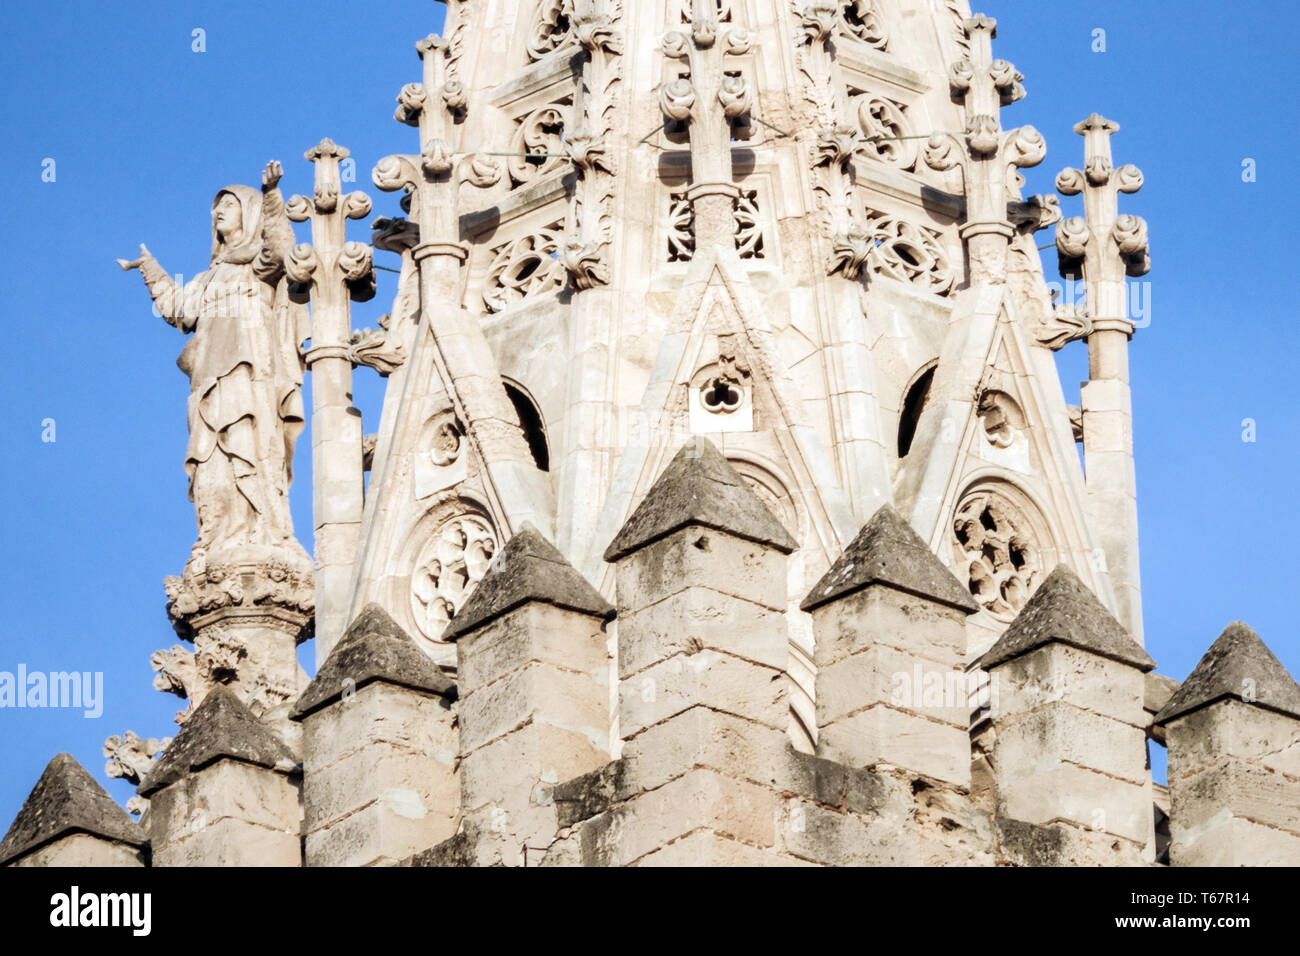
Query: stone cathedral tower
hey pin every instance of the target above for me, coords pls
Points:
(725, 506)
(757, 221)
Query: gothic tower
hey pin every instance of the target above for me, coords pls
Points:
(793, 227)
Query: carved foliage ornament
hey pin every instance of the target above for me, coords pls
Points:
(539, 139)
(885, 126)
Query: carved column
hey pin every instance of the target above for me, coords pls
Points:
(337, 271)
(1104, 248)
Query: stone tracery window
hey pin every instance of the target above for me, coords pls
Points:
(995, 541)
(681, 226)
(527, 267)
(909, 253)
(455, 558)
(552, 29)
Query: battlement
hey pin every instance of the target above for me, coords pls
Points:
(524, 763)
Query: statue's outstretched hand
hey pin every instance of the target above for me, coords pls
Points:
(136, 263)
(271, 175)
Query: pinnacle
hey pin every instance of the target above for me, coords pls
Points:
(374, 648)
(1064, 610)
(888, 551)
(221, 726)
(529, 568)
(699, 487)
(1237, 666)
(67, 799)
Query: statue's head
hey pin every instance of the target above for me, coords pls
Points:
(236, 224)
(228, 218)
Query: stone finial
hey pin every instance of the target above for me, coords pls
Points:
(1065, 611)
(374, 648)
(699, 487)
(528, 568)
(1238, 665)
(221, 727)
(888, 551)
(66, 800)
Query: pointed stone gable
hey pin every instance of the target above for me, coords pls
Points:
(887, 551)
(67, 799)
(1238, 665)
(1064, 610)
(699, 487)
(529, 568)
(374, 648)
(221, 727)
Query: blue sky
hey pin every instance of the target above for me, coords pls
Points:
(143, 131)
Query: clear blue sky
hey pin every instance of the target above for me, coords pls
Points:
(143, 131)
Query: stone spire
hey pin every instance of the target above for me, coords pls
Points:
(1064, 611)
(1238, 666)
(887, 551)
(1105, 249)
(529, 569)
(66, 801)
(699, 487)
(336, 271)
(220, 727)
(988, 154)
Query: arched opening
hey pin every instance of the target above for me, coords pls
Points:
(913, 405)
(531, 420)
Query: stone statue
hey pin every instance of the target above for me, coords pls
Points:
(245, 408)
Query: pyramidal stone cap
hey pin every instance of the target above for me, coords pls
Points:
(374, 648)
(529, 568)
(888, 551)
(220, 727)
(699, 487)
(66, 800)
(1237, 666)
(1065, 611)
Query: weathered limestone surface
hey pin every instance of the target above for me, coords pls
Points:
(225, 792)
(380, 745)
(711, 301)
(1070, 749)
(69, 820)
(1233, 730)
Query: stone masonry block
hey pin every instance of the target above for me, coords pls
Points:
(1060, 672)
(702, 557)
(883, 674)
(227, 789)
(884, 615)
(82, 850)
(234, 843)
(1075, 794)
(1232, 842)
(378, 713)
(883, 735)
(701, 737)
(1238, 789)
(562, 697)
(519, 769)
(701, 617)
(1058, 732)
(414, 783)
(536, 632)
(715, 680)
(1232, 728)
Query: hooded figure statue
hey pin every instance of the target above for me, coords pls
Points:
(245, 407)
